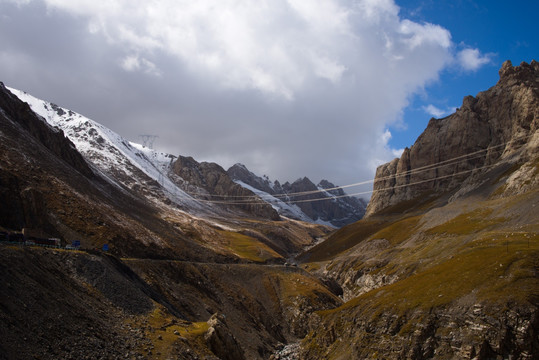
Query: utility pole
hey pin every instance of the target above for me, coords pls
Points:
(148, 140)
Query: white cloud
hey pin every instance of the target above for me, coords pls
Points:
(471, 59)
(19, 2)
(397, 152)
(276, 47)
(386, 136)
(131, 63)
(135, 63)
(328, 69)
(307, 86)
(419, 34)
(384, 152)
(437, 112)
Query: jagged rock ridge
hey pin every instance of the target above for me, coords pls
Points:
(219, 186)
(485, 129)
(336, 208)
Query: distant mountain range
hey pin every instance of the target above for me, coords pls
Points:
(303, 200)
(199, 187)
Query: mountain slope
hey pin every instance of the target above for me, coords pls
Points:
(458, 281)
(168, 277)
(181, 192)
(127, 164)
(48, 186)
(69, 304)
(446, 268)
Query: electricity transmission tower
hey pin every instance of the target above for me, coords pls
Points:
(147, 140)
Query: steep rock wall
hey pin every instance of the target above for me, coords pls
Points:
(486, 129)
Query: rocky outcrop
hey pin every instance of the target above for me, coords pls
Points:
(490, 127)
(308, 191)
(338, 209)
(221, 341)
(239, 172)
(345, 210)
(218, 188)
(331, 206)
(465, 332)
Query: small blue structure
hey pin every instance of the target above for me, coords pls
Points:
(105, 247)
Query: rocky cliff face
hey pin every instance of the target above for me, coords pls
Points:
(218, 187)
(331, 206)
(345, 210)
(239, 172)
(337, 210)
(452, 150)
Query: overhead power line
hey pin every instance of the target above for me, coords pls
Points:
(236, 200)
(348, 195)
(148, 140)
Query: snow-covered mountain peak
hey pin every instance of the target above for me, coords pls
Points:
(123, 162)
